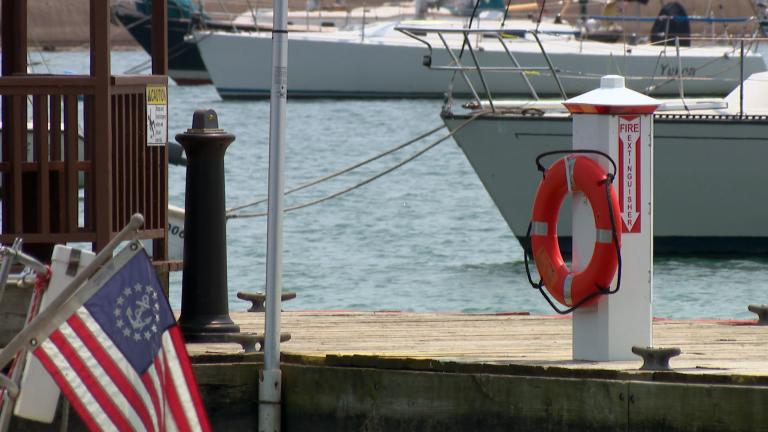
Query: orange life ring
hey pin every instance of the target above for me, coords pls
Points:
(582, 174)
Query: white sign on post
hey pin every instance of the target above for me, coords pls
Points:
(157, 114)
(629, 173)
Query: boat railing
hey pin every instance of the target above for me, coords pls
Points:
(476, 40)
(471, 46)
(255, 15)
(237, 15)
(466, 35)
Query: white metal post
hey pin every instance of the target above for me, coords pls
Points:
(618, 122)
(270, 379)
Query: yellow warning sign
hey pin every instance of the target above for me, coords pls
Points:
(157, 95)
(157, 114)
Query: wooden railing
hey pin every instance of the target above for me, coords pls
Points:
(49, 180)
(139, 171)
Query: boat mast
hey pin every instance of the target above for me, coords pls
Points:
(271, 378)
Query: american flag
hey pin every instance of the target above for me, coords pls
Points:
(120, 358)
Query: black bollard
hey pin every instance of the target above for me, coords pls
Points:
(204, 294)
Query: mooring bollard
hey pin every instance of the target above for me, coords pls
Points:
(204, 294)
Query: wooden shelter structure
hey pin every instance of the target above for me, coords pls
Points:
(120, 174)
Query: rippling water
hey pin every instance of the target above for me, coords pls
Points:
(424, 238)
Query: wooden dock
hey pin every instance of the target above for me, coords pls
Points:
(708, 347)
(456, 372)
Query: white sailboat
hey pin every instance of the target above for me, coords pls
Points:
(378, 61)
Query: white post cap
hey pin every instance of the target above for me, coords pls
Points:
(612, 98)
(612, 82)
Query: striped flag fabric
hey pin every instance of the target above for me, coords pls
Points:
(121, 361)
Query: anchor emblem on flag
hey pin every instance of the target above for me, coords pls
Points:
(140, 307)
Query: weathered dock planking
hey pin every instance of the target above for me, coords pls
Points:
(719, 347)
(382, 371)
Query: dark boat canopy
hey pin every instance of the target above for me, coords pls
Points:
(672, 21)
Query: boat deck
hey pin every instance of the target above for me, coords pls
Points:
(711, 349)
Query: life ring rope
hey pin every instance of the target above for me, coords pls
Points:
(602, 236)
(543, 169)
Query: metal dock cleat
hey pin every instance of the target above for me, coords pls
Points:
(654, 358)
(257, 299)
(247, 341)
(762, 313)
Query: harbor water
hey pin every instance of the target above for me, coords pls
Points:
(426, 237)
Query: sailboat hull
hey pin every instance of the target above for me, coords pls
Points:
(709, 177)
(185, 65)
(385, 63)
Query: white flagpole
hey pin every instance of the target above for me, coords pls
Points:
(270, 379)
